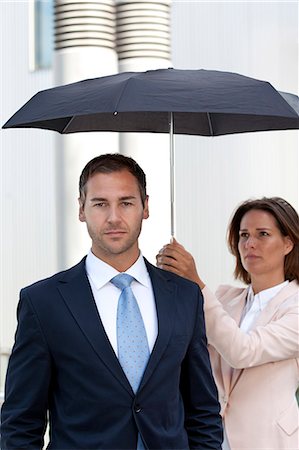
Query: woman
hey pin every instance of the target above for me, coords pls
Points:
(253, 332)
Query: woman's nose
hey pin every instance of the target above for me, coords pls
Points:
(250, 242)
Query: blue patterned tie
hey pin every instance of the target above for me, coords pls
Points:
(133, 349)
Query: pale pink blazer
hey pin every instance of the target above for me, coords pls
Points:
(257, 396)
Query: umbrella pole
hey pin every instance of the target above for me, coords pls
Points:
(171, 154)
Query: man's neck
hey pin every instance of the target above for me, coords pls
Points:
(121, 262)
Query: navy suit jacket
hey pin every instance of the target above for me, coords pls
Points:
(63, 366)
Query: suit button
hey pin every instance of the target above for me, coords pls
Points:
(137, 408)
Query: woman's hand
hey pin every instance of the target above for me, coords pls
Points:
(176, 259)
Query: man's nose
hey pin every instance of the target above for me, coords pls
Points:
(113, 214)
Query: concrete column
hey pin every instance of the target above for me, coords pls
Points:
(84, 48)
(143, 43)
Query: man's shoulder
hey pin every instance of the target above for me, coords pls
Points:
(167, 276)
(47, 283)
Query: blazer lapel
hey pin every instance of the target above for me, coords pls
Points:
(266, 316)
(234, 308)
(272, 306)
(77, 294)
(164, 292)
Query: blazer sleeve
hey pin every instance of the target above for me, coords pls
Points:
(273, 341)
(202, 410)
(23, 415)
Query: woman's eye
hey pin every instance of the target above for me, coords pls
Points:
(243, 235)
(264, 233)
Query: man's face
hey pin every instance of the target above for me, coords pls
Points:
(113, 213)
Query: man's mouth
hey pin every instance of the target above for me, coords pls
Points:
(114, 232)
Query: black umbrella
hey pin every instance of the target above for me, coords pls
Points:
(203, 102)
(195, 102)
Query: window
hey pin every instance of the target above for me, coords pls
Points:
(42, 33)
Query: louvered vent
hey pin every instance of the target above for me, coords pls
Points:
(143, 29)
(84, 23)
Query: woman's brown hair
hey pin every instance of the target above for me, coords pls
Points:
(287, 220)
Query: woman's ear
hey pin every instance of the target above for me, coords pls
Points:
(289, 245)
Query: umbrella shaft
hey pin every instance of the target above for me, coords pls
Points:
(171, 155)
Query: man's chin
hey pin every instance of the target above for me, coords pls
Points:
(116, 247)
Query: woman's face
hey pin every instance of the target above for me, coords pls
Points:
(262, 247)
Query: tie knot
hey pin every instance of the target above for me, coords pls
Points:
(122, 280)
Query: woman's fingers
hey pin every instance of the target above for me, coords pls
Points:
(175, 258)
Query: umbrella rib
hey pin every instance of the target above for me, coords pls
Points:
(210, 124)
(124, 88)
(67, 125)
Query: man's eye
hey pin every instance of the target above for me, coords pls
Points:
(127, 203)
(100, 204)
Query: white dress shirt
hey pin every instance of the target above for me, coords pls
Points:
(256, 303)
(106, 296)
(253, 307)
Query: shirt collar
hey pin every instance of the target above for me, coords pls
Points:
(101, 272)
(263, 297)
(271, 292)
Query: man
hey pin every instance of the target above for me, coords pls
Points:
(75, 357)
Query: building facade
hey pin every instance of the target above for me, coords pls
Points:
(40, 233)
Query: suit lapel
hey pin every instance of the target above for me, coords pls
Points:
(77, 294)
(75, 289)
(164, 292)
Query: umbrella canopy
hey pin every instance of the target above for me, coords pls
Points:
(195, 102)
(202, 102)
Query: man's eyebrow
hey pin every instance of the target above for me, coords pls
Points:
(128, 197)
(98, 199)
(103, 199)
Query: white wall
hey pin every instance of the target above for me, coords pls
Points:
(28, 232)
(213, 175)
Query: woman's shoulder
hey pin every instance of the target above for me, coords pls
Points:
(228, 292)
(224, 294)
(290, 294)
(293, 286)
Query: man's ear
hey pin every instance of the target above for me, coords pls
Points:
(81, 211)
(145, 208)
